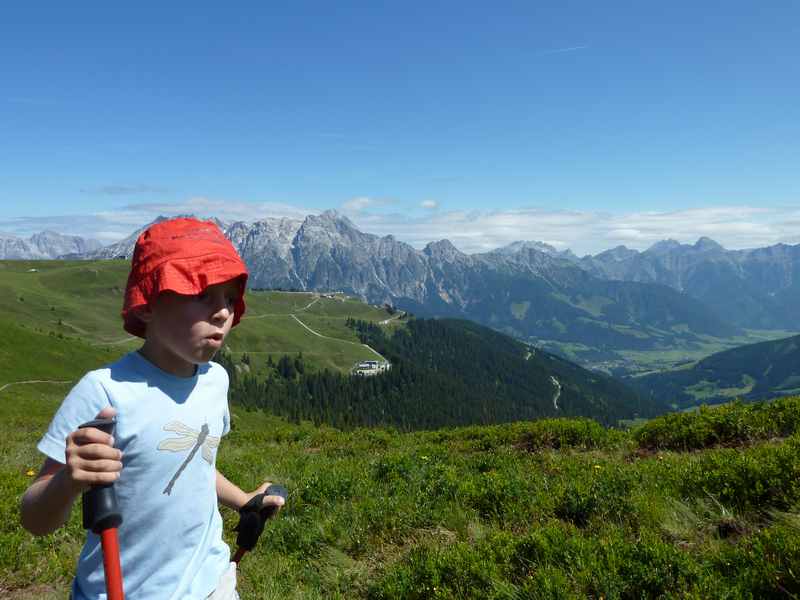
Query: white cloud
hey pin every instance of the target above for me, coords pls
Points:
(471, 231)
(362, 203)
(429, 204)
(109, 226)
(123, 190)
(735, 227)
(560, 50)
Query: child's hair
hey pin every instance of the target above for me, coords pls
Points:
(182, 255)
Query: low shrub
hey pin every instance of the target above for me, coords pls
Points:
(727, 425)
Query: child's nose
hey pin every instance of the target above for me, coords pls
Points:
(222, 313)
(222, 310)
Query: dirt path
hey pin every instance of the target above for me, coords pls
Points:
(34, 592)
(306, 307)
(390, 319)
(557, 384)
(338, 340)
(265, 315)
(32, 381)
(310, 304)
(130, 338)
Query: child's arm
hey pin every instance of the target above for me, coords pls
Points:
(90, 459)
(233, 497)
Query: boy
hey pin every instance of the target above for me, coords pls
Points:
(185, 291)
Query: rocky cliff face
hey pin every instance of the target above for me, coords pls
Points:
(45, 245)
(620, 298)
(757, 288)
(528, 290)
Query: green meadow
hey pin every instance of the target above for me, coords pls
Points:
(704, 508)
(690, 505)
(81, 301)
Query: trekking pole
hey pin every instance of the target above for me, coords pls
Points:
(252, 517)
(102, 516)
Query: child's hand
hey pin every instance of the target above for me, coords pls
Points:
(91, 458)
(272, 502)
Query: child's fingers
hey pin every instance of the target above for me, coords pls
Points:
(108, 412)
(82, 476)
(273, 501)
(99, 466)
(89, 478)
(97, 452)
(262, 488)
(90, 435)
(76, 463)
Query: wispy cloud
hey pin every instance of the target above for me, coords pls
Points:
(112, 225)
(124, 190)
(560, 50)
(362, 203)
(585, 232)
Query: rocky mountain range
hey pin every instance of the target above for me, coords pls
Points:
(757, 288)
(621, 299)
(45, 245)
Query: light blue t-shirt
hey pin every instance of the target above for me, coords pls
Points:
(168, 429)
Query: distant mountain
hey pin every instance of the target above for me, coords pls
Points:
(529, 290)
(758, 289)
(124, 248)
(752, 372)
(44, 245)
(516, 247)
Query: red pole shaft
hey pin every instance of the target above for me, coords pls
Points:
(110, 542)
(239, 554)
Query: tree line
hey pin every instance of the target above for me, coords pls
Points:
(443, 373)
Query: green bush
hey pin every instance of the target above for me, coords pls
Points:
(730, 424)
(764, 477)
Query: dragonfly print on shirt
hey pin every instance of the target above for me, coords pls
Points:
(188, 438)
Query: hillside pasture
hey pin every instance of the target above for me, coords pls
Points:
(81, 300)
(699, 505)
(550, 509)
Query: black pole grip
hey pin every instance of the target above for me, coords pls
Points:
(100, 511)
(253, 516)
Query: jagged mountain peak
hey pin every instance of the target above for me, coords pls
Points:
(664, 246)
(334, 216)
(442, 249)
(617, 254)
(521, 245)
(706, 244)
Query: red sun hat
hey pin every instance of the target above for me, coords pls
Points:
(184, 256)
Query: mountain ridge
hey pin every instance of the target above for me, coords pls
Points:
(621, 299)
(752, 372)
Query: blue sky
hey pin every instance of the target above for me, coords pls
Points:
(434, 119)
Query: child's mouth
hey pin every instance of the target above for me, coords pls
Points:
(216, 339)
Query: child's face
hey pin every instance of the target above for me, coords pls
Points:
(183, 331)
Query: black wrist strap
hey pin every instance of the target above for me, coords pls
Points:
(253, 515)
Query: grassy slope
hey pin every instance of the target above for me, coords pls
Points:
(81, 300)
(479, 512)
(753, 371)
(677, 354)
(557, 509)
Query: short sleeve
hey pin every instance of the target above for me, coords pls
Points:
(226, 418)
(82, 404)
